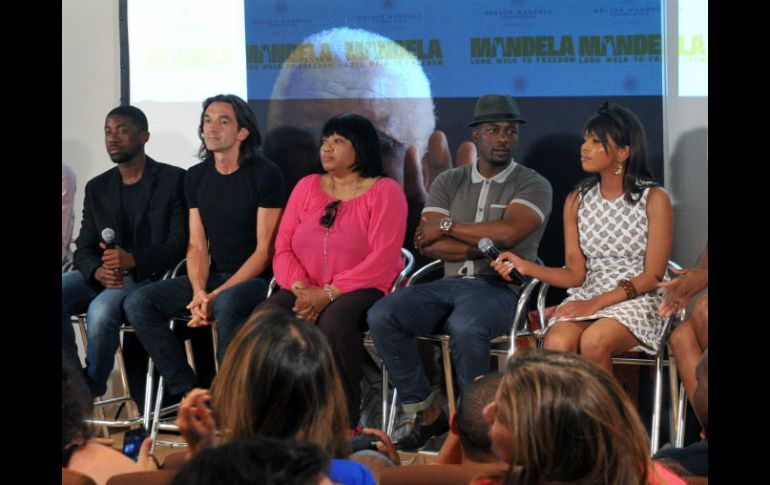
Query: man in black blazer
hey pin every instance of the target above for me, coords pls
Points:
(141, 202)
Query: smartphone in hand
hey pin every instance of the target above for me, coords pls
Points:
(363, 442)
(132, 442)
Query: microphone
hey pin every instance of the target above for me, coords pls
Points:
(487, 247)
(108, 237)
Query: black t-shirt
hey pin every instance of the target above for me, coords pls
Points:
(228, 207)
(129, 208)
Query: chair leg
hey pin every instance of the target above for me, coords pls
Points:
(215, 343)
(148, 386)
(393, 412)
(384, 419)
(156, 414)
(657, 404)
(450, 388)
(681, 417)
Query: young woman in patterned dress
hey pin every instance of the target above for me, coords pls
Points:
(618, 226)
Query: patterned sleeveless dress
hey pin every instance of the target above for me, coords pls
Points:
(613, 237)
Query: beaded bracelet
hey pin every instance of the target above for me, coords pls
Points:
(629, 288)
(329, 292)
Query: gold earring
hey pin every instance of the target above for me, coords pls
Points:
(618, 168)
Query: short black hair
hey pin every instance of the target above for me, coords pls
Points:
(363, 136)
(137, 116)
(473, 427)
(256, 461)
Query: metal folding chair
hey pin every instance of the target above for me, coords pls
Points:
(507, 342)
(658, 361)
(134, 417)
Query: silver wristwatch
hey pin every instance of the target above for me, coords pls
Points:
(446, 224)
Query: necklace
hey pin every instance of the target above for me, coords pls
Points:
(329, 229)
(355, 189)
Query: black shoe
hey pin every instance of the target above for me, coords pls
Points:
(421, 432)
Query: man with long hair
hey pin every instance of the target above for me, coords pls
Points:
(234, 197)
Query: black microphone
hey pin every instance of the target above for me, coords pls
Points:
(108, 237)
(487, 247)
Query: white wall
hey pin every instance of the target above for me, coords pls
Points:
(90, 87)
(685, 152)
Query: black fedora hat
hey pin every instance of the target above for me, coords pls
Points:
(496, 107)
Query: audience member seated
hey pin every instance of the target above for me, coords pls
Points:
(468, 440)
(558, 418)
(338, 247)
(277, 379)
(691, 337)
(80, 452)
(257, 461)
(467, 451)
(617, 239)
(695, 458)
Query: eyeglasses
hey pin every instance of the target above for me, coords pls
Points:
(330, 213)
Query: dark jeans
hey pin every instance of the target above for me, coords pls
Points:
(150, 309)
(343, 323)
(471, 311)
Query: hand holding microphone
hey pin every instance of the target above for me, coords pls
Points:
(505, 268)
(115, 258)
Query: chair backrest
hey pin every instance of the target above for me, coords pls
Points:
(408, 266)
(71, 477)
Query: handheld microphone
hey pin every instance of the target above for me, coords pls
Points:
(487, 247)
(108, 236)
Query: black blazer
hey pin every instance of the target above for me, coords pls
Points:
(159, 233)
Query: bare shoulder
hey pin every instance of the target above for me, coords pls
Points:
(572, 202)
(658, 199)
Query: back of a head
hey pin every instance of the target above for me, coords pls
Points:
(278, 379)
(570, 422)
(383, 90)
(75, 406)
(256, 461)
(473, 427)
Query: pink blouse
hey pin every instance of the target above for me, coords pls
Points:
(362, 249)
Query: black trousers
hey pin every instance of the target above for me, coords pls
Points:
(343, 323)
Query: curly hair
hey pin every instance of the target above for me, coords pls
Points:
(75, 407)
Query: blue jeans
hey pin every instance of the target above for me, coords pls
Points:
(471, 311)
(150, 309)
(104, 316)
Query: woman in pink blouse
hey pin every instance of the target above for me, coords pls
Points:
(338, 247)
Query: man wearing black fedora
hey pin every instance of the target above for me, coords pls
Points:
(494, 198)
